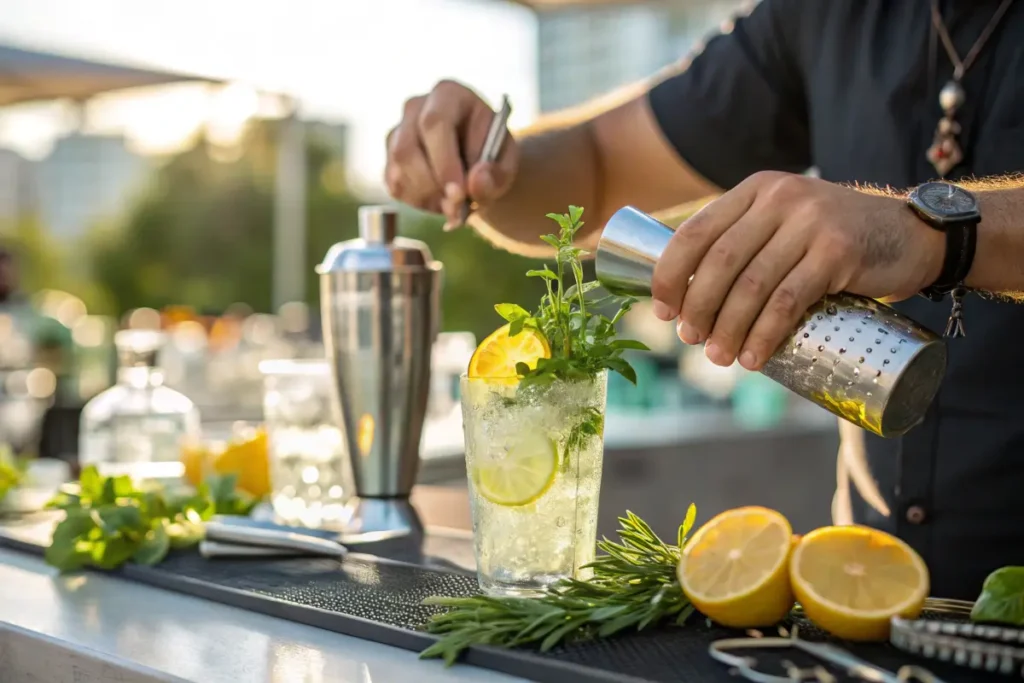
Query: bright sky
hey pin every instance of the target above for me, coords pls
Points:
(347, 60)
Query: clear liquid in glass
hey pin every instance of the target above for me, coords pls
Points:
(522, 549)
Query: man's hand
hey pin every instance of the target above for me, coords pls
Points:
(764, 252)
(427, 152)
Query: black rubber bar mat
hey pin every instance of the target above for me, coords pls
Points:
(380, 600)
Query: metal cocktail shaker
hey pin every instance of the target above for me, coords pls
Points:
(379, 297)
(851, 355)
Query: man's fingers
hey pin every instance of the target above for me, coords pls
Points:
(804, 285)
(749, 293)
(408, 174)
(686, 249)
(488, 181)
(443, 113)
(724, 261)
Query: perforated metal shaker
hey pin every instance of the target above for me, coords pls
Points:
(853, 356)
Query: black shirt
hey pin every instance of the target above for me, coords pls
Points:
(851, 87)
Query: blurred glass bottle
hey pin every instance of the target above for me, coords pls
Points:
(136, 427)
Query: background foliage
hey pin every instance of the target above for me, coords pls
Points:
(200, 235)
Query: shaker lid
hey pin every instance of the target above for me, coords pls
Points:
(378, 247)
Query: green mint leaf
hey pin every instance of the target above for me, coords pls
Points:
(67, 556)
(114, 518)
(154, 547)
(623, 368)
(1002, 598)
(574, 291)
(628, 344)
(516, 326)
(522, 368)
(64, 501)
(511, 312)
(123, 486)
(153, 505)
(222, 488)
(75, 523)
(575, 213)
(111, 553)
(108, 495)
(90, 483)
(544, 273)
(552, 240)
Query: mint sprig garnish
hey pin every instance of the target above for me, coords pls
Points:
(583, 340)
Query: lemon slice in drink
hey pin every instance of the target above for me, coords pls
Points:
(496, 357)
(522, 475)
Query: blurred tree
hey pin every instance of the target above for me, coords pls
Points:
(201, 235)
(476, 275)
(38, 255)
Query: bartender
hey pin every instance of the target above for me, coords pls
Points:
(880, 98)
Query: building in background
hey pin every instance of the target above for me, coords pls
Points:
(587, 51)
(87, 177)
(18, 187)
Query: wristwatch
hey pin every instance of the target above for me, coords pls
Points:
(953, 210)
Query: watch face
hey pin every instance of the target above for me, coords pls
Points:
(946, 201)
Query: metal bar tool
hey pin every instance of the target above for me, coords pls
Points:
(727, 652)
(233, 540)
(975, 646)
(493, 143)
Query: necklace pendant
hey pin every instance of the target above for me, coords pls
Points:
(951, 97)
(945, 152)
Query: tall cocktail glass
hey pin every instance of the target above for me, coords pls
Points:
(533, 458)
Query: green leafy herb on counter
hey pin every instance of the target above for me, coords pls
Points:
(1002, 598)
(583, 342)
(634, 587)
(12, 471)
(110, 521)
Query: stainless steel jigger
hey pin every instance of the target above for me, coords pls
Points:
(379, 297)
(851, 355)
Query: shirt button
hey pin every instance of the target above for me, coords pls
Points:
(916, 514)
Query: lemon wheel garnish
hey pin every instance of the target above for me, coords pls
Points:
(852, 580)
(735, 569)
(522, 475)
(497, 355)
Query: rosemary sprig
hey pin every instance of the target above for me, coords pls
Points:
(634, 585)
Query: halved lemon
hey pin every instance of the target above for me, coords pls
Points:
(497, 355)
(521, 475)
(851, 580)
(735, 569)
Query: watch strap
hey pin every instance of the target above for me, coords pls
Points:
(961, 244)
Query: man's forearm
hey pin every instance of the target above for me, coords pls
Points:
(999, 258)
(558, 167)
(601, 156)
